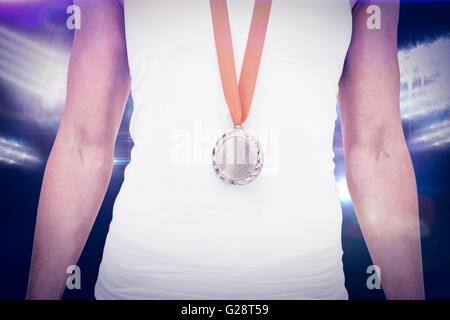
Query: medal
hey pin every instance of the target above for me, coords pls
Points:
(237, 156)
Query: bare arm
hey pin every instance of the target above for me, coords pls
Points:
(80, 164)
(379, 170)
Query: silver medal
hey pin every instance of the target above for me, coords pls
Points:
(237, 157)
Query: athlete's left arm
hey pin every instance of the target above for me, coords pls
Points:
(380, 174)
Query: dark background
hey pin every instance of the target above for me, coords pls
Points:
(30, 121)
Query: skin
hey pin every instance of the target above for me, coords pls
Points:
(380, 175)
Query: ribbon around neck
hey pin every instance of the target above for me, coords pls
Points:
(239, 96)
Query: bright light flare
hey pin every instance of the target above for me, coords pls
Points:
(436, 135)
(424, 95)
(344, 193)
(37, 71)
(14, 153)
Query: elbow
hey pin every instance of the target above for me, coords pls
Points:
(93, 155)
(369, 162)
(369, 171)
(84, 148)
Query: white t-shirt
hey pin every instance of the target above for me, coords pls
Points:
(180, 232)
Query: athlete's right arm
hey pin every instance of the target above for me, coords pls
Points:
(80, 163)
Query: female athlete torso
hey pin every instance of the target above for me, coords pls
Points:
(179, 232)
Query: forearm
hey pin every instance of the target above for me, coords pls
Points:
(384, 195)
(73, 188)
